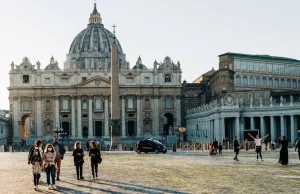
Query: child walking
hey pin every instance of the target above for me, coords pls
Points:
(37, 167)
(78, 159)
(49, 158)
(95, 158)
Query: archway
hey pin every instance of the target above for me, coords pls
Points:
(26, 128)
(169, 126)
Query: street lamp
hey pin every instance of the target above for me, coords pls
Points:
(63, 135)
(57, 130)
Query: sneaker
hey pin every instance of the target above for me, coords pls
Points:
(49, 187)
(57, 179)
(37, 188)
(82, 177)
(53, 187)
(262, 160)
(237, 159)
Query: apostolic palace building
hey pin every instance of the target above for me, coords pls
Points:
(77, 98)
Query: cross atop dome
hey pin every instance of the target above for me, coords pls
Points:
(95, 17)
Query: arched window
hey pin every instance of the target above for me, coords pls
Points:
(238, 80)
(298, 83)
(26, 105)
(251, 81)
(84, 105)
(65, 105)
(288, 83)
(147, 104)
(270, 82)
(264, 81)
(282, 83)
(47, 105)
(294, 84)
(276, 82)
(168, 103)
(245, 80)
(258, 81)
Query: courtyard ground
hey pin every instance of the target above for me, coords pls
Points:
(180, 172)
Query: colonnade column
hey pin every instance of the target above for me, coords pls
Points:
(73, 117)
(237, 127)
(16, 111)
(156, 115)
(217, 128)
(91, 126)
(138, 116)
(273, 135)
(282, 126)
(262, 127)
(123, 117)
(178, 111)
(292, 129)
(57, 111)
(251, 123)
(38, 117)
(79, 117)
(222, 126)
(242, 138)
(106, 120)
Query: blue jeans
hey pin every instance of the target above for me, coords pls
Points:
(50, 170)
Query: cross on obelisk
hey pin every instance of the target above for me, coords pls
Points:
(114, 26)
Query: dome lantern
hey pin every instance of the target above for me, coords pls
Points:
(95, 17)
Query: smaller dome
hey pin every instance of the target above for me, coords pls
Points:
(53, 64)
(139, 65)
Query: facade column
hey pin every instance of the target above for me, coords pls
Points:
(292, 129)
(242, 125)
(237, 127)
(38, 117)
(251, 123)
(57, 122)
(273, 135)
(282, 126)
(16, 111)
(178, 111)
(216, 128)
(123, 117)
(91, 126)
(138, 116)
(106, 120)
(262, 127)
(156, 117)
(73, 135)
(79, 118)
(222, 127)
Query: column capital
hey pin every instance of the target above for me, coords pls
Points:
(122, 97)
(178, 96)
(73, 97)
(56, 97)
(156, 96)
(139, 96)
(16, 98)
(37, 97)
(79, 97)
(90, 97)
(106, 97)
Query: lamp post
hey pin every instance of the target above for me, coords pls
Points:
(63, 135)
(57, 130)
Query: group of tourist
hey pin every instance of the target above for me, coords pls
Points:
(49, 161)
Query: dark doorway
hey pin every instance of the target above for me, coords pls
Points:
(66, 127)
(85, 132)
(170, 121)
(130, 128)
(98, 129)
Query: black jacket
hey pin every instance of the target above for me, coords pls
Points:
(97, 158)
(236, 144)
(297, 145)
(216, 144)
(78, 159)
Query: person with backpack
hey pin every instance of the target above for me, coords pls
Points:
(78, 159)
(37, 145)
(60, 151)
(297, 146)
(95, 158)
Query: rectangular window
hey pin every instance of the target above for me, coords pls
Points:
(241, 96)
(262, 67)
(249, 96)
(65, 116)
(270, 68)
(237, 64)
(83, 79)
(98, 104)
(130, 115)
(167, 77)
(266, 94)
(64, 80)
(168, 103)
(47, 80)
(250, 65)
(130, 103)
(65, 105)
(1, 129)
(129, 79)
(147, 80)
(84, 115)
(243, 65)
(25, 79)
(256, 95)
(275, 68)
(281, 69)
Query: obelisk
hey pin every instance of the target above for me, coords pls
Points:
(115, 121)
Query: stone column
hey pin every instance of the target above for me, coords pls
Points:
(251, 123)
(73, 135)
(282, 126)
(292, 129)
(106, 119)
(217, 128)
(156, 114)
(237, 127)
(138, 116)
(273, 135)
(222, 127)
(262, 127)
(16, 118)
(91, 126)
(123, 117)
(57, 122)
(178, 110)
(79, 118)
(38, 117)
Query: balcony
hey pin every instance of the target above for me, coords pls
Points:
(130, 109)
(98, 110)
(26, 111)
(65, 110)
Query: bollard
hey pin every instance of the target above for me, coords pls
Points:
(10, 149)
(1, 150)
(120, 147)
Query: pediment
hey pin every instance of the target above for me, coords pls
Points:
(96, 81)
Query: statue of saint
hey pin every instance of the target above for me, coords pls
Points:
(281, 99)
(291, 99)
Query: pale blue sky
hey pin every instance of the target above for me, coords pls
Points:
(194, 32)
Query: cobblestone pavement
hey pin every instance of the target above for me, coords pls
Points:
(180, 172)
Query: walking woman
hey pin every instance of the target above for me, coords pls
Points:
(49, 158)
(37, 167)
(78, 159)
(236, 146)
(95, 158)
(284, 155)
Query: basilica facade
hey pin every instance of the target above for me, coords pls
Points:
(76, 99)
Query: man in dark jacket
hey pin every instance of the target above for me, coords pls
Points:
(236, 146)
(216, 145)
(60, 151)
(297, 146)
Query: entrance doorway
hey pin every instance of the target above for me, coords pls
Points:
(85, 132)
(169, 126)
(27, 130)
(66, 127)
(130, 128)
(98, 129)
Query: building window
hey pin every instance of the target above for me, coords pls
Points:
(245, 80)
(167, 77)
(64, 80)
(47, 80)
(294, 84)
(256, 95)
(238, 80)
(130, 115)
(1, 129)
(26, 105)
(98, 104)
(130, 103)
(288, 83)
(241, 96)
(83, 79)
(147, 80)
(270, 82)
(266, 95)
(256, 66)
(237, 64)
(249, 96)
(168, 103)
(276, 82)
(251, 81)
(282, 83)
(264, 81)
(258, 81)
(25, 79)
(65, 105)
(84, 115)
(147, 104)
(129, 79)
(48, 105)
(84, 105)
